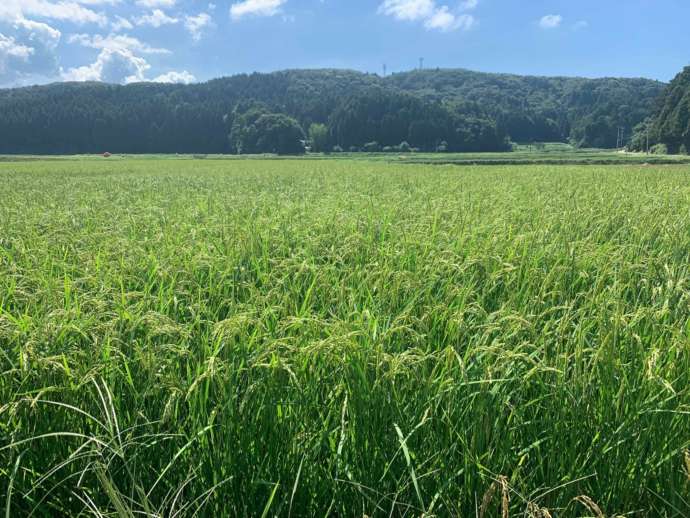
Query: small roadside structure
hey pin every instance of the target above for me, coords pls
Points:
(107, 155)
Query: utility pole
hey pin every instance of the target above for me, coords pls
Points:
(647, 140)
(384, 70)
(421, 63)
(618, 137)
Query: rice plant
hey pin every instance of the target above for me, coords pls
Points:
(343, 338)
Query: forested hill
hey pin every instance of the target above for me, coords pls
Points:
(460, 109)
(672, 123)
(587, 112)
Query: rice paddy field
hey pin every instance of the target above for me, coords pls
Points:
(344, 338)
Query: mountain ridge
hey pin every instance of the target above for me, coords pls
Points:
(349, 70)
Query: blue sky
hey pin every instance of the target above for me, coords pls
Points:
(194, 40)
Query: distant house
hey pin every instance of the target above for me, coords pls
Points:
(107, 155)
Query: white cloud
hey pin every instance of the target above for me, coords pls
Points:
(119, 65)
(121, 23)
(196, 24)
(157, 18)
(156, 3)
(551, 21)
(39, 32)
(435, 17)
(239, 10)
(408, 9)
(442, 19)
(9, 48)
(115, 42)
(69, 11)
(183, 77)
(28, 55)
(111, 66)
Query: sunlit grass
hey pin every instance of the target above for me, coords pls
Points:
(343, 338)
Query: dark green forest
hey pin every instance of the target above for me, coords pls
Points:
(668, 129)
(430, 110)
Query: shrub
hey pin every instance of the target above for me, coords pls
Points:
(659, 149)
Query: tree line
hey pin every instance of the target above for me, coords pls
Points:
(328, 110)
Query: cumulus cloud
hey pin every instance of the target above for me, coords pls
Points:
(63, 10)
(195, 25)
(156, 19)
(121, 66)
(115, 42)
(119, 61)
(29, 40)
(434, 16)
(111, 66)
(183, 77)
(27, 52)
(239, 10)
(550, 21)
